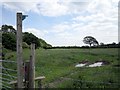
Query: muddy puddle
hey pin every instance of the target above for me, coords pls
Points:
(95, 64)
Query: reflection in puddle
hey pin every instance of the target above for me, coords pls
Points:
(80, 65)
(97, 64)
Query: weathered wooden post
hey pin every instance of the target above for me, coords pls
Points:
(19, 52)
(1, 57)
(32, 67)
(26, 68)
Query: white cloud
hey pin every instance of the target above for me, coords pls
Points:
(52, 9)
(48, 8)
(60, 28)
(20, 0)
(19, 6)
(115, 1)
(101, 23)
(102, 20)
(36, 32)
(97, 6)
(98, 19)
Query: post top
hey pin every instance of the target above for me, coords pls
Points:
(19, 12)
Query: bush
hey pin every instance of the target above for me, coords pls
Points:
(30, 38)
(9, 41)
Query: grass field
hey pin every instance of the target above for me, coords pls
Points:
(58, 66)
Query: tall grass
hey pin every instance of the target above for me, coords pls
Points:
(57, 63)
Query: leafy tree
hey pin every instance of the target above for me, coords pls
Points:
(6, 28)
(102, 44)
(90, 40)
(30, 38)
(9, 41)
(113, 43)
(43, 44)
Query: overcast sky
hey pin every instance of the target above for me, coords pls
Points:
(65, 22)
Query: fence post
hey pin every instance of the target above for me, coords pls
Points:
(32, 67)
(19, 51)
(26, 68)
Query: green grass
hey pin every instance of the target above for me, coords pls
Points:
(57, 63)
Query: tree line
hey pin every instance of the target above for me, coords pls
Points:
(92, 43)
(9, 39)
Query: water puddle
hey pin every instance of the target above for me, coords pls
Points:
(80, 65)
(96, 64)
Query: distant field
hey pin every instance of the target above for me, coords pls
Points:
(58, 66)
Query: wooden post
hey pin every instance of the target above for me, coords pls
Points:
(32, 67)
(1, 57)
(26, 71)
(19, 51)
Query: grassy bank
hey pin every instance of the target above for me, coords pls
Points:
(58, 66)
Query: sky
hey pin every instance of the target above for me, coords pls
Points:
(65, 22)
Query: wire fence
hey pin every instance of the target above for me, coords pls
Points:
(8, 73)
(8, 61)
